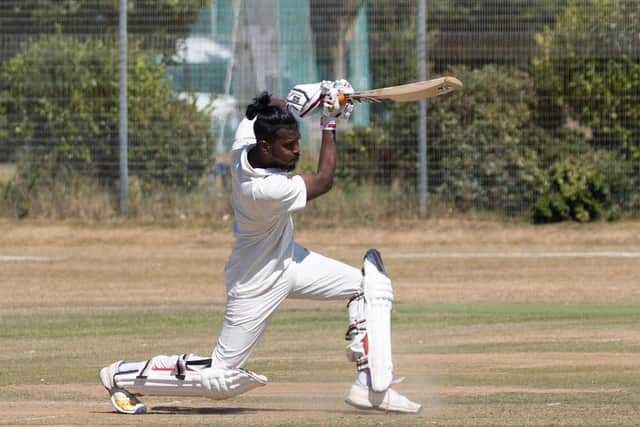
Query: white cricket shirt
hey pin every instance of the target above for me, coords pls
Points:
(262, 201)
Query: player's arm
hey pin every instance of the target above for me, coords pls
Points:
(322, 180)
(324, 94)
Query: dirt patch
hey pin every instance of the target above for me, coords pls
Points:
(7, 171)
(277, 404)
(112, 269)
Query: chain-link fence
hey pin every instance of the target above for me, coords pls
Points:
(545, 128)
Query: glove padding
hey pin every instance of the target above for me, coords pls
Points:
(331, 106)
(303, 99)
(223, 383)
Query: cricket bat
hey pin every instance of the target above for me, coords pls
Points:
(404, 93)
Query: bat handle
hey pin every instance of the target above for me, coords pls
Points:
(342, 99)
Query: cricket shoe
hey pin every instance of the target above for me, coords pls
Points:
(361, 397)
(123, 401)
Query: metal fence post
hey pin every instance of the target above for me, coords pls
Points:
(422, 114)
(123, 113)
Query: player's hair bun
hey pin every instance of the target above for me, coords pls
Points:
(261, 104)
(269, 117)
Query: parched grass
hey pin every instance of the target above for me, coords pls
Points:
(7, 172)
(450, 324)
(593, 384)
(86, 201)
(147, 324)
(481, 342)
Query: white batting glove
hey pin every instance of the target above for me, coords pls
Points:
(305, 98)
(344, 87)
(330, 104)
(347, 109)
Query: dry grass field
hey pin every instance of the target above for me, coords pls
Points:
(494, 324)
(7, 171)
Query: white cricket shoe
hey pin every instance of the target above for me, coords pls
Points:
(123, 401)
(362, 397)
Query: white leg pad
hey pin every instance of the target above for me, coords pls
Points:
(357, 332)
(176, 376)
(378, 295)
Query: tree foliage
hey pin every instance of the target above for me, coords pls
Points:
(483, 32)
(479, 142)
(583, 189)
(160, 22)
(589, 64)
(61, 95)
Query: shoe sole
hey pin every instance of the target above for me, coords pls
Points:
(406, 411)
(377, 408)
(106, 378)
(359, 406)
(138, 409)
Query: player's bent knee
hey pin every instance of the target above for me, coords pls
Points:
(357, 332)
(188, 376)
(376, 282)
(378, 295)
(369, 332)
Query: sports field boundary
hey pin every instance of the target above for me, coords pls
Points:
(572, 254)
(26, 258)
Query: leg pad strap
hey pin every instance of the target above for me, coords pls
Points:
(357, 348)
(186, 375)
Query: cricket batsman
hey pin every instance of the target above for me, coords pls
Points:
(266, 266)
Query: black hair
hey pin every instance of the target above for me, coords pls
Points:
(269, 118)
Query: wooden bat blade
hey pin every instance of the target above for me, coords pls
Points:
(409, 92)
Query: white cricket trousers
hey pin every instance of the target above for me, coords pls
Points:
(309, 275)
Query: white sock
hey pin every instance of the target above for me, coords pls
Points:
(364, 377)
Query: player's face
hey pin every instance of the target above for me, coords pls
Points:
(285, 148)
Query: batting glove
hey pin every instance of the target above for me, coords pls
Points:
(305, 98)
(344, 87)
(331, 104)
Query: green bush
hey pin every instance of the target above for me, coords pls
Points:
(171, 20)
(480, 153)
(5, 150)
(584, 188)
(480, 147)
(485, 150)
(61, 97)
(588, 66)
(370, 155)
